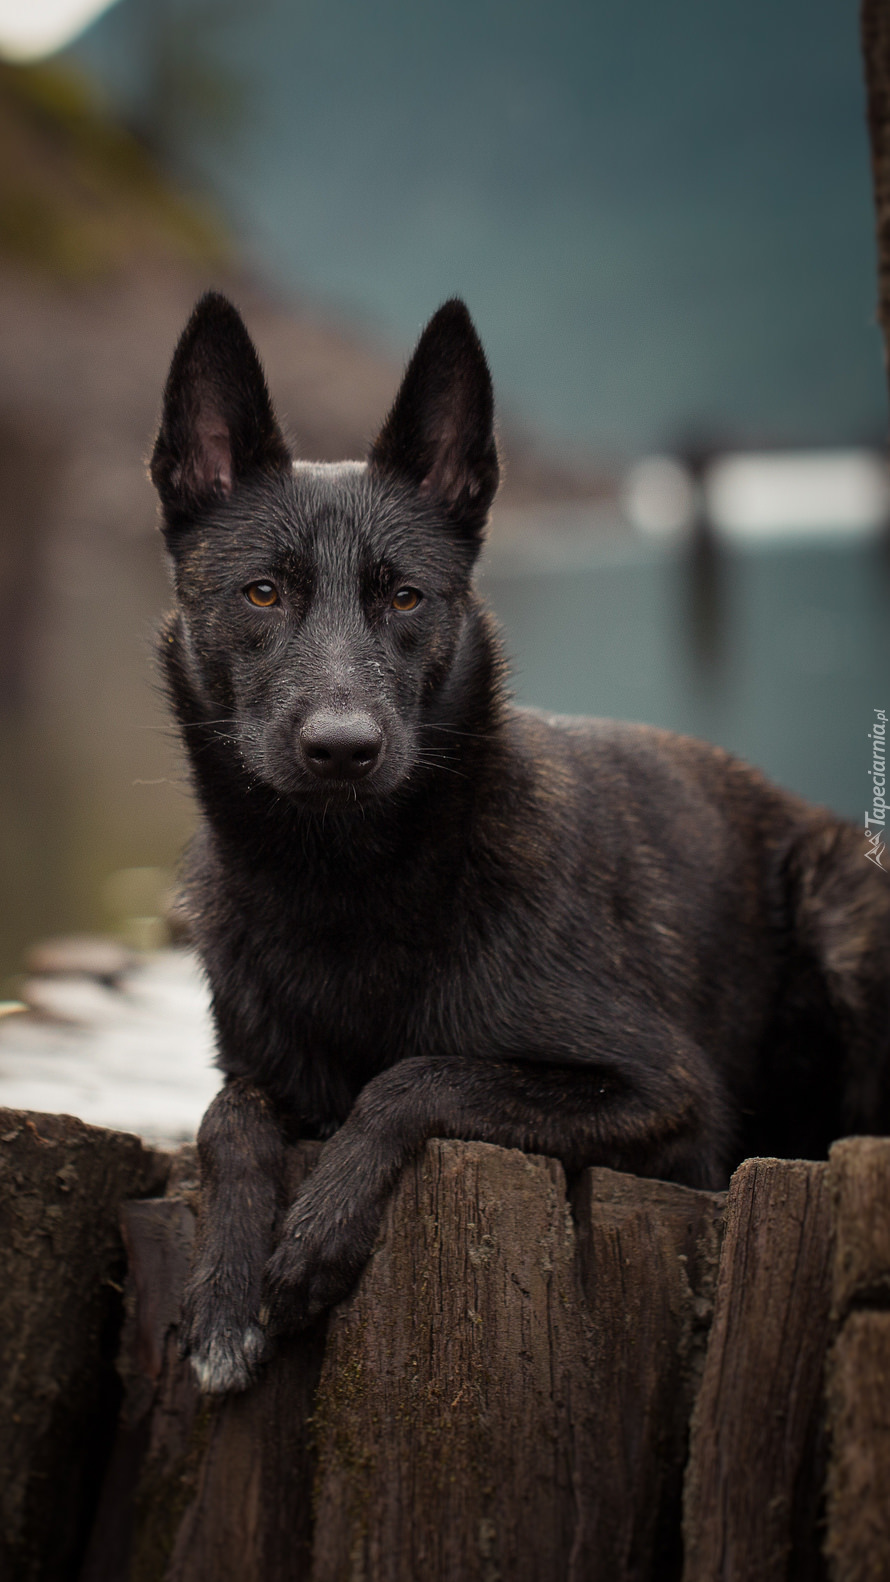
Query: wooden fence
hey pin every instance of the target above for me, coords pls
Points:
(625, 1380)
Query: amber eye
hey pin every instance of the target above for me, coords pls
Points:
(406, 599)
(262, 594)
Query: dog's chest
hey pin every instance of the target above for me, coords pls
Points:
(345, 982)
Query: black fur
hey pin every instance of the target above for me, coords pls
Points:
(424, 912)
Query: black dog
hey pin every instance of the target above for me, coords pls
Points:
(426, 913)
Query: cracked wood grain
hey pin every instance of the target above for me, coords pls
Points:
(61, 1272)
(505, 1395)
(858, 1506)
(756, 1462)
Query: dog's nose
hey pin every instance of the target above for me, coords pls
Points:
(341, 746)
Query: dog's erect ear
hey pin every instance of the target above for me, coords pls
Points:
(218, 426)
(440, 432)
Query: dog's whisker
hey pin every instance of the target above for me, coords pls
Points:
(423, 763)
(183, 725)
(478, 736)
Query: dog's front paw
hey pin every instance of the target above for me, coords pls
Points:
(317, 1262)
(229, 1360)
(298, 1285)
(220, 1331)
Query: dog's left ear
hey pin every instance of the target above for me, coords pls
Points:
(218, 427)
(440, 432)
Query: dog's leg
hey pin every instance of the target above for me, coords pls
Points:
(664, 1118)
(242, 1178)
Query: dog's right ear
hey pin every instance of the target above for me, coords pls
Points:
(218, 426)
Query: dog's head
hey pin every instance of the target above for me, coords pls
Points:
(325, 611)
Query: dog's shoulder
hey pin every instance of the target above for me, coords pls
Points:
(603, 754)
(628, 789)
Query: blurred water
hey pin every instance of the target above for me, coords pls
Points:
(798, 660)
(660, 215)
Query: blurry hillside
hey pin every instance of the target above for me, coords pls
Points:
(100, 263)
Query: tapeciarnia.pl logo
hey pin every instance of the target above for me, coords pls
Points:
(875, 820)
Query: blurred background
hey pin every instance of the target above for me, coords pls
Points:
(661, 219)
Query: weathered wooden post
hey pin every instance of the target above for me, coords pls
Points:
(756, 1465)
(858, 1538)
(506, 1394)
(62, 1269)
